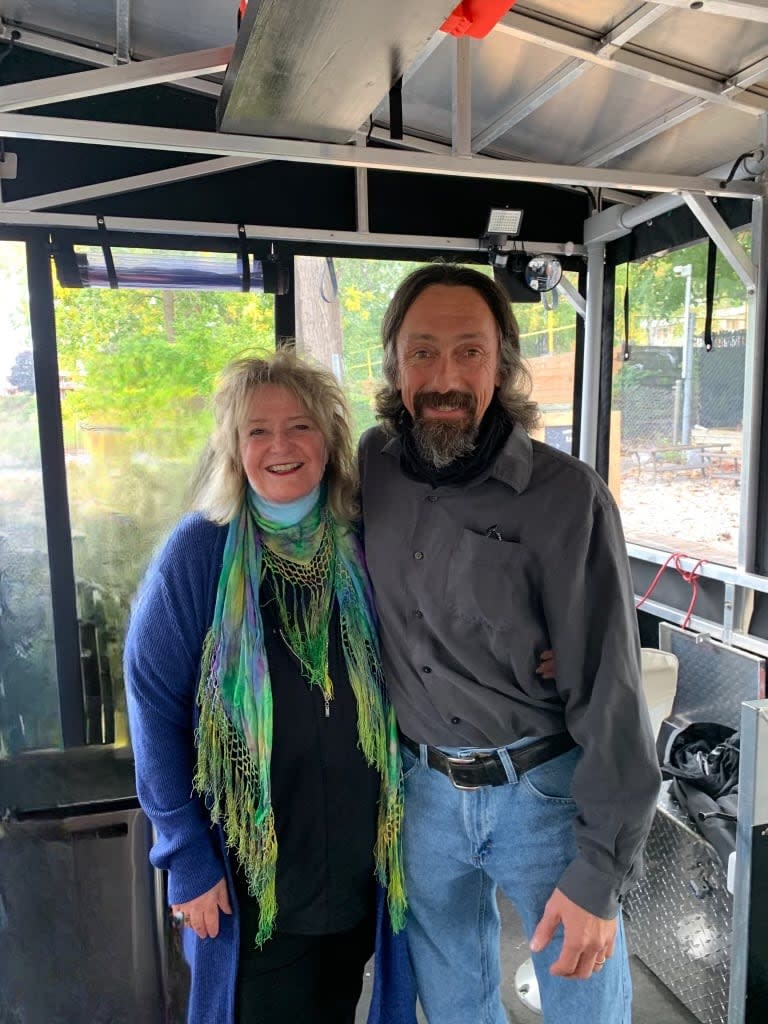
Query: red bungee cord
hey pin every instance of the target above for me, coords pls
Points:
(689, 575)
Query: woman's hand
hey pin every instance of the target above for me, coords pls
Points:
(546, 667)
(202, 913)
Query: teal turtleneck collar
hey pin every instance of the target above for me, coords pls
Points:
(285, 513)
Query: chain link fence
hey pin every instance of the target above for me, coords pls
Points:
(659, 408)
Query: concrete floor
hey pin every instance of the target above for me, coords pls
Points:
(653, 1003)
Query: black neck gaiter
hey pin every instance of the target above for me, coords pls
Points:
(495, 428)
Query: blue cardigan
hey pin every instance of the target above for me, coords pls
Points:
(170, 619)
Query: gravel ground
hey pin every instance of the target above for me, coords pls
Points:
(687, 512)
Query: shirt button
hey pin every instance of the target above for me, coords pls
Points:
(426, 669)
(432, 498)
(455, 720)
(418, 555)
(418, 614)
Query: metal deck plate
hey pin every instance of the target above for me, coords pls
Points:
(679, 916)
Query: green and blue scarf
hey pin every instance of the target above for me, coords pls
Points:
(234, 735)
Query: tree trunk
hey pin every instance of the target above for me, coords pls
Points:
(170, 330)
(318, 313)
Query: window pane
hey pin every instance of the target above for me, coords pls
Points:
(548, 345)
(29, 710)
(339, 310)
(679, 407)
(138, 368)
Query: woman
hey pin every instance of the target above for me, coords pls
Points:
(257, 706)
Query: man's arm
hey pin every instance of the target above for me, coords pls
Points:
(593, 630)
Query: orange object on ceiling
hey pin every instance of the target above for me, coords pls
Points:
(475, 18)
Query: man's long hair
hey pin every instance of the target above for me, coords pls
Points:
(515, 380)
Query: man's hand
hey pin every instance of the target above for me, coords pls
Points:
(202, 913)
(546, 668)
(588, 940)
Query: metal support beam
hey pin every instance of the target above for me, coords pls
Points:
(414, 142)
(115, 79)
(566, 74)
(573, 296)
(723, 237)
(361, 189)
(99, 133)
(639, 65)
(593, 329)
(618, 221)
(551, 86)
(747, 76)
(424, 56)
(218, 230)
(649, 130)
(123, 31)
(625, 31)
(135, 183)
(461, 125)
(60, 557)
(607, 50)
(725, 8)
(88, 55)
(754, 369)
(420, 145)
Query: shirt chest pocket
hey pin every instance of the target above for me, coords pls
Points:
(491, 581)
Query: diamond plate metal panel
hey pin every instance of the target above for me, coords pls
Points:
(713, 679)
(679, 915)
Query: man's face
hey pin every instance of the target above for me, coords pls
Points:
(447, 368)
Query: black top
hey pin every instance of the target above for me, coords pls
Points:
(324, 795)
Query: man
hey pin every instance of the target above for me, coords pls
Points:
(485, 549)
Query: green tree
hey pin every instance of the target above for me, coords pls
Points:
(145, 361)
(365, 288)
(657, 294)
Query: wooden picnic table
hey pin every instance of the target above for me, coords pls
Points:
(709, 459)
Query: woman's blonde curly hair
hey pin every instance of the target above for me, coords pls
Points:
(220, 481)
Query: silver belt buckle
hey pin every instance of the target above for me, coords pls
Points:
(458, 761)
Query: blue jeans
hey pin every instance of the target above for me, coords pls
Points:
(458, 847)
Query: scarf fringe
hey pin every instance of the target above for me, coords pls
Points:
(389, 852)
(229, 780)
(376, 729)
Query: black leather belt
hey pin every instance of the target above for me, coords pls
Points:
(486, 769)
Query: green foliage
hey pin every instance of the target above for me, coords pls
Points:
(146, 361)
(365, 288)
(543, 330)
(629, 376)
(657, 294)
(18, 420)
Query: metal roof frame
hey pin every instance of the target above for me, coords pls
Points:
(53, 129)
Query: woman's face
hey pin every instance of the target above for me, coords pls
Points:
(283, 451)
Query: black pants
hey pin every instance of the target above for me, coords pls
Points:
(315, 979)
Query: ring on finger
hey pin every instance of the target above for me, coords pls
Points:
(600, 963)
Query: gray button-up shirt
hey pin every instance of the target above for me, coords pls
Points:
(472, 582)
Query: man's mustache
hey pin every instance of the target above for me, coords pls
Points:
(445, 400)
